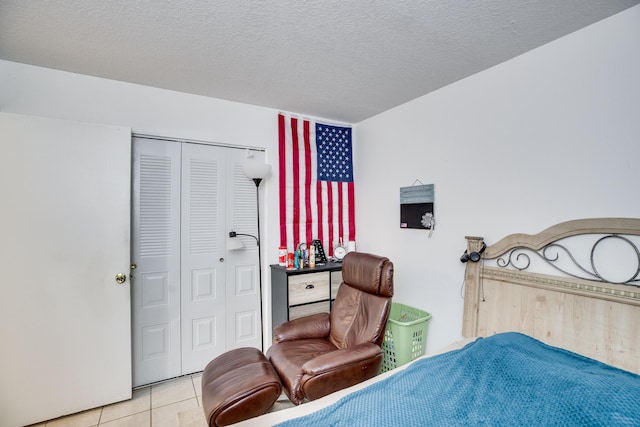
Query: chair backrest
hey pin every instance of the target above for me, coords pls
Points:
(361, 308)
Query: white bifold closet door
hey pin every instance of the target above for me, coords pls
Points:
(192, 300)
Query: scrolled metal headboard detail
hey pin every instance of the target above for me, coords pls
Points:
(520, 258)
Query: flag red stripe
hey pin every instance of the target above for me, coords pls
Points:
(329, 216)
(319, 210)
(352, 212)
(282, 180)
(340, 213)
(296, 180)
(307, 184)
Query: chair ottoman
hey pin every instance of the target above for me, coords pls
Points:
(238, 385)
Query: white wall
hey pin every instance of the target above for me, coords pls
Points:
(549, 136)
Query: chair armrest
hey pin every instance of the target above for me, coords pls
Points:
(313, 326)
(341, 358)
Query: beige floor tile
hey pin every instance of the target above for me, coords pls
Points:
(141, 419)
(191, 418)
(139, 402)
(172, 391)
(88, 418)
(168, 416)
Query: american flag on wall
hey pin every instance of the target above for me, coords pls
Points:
(316, 183)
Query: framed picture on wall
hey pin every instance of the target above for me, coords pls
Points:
(416, 207)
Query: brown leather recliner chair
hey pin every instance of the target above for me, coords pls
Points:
(322, 353)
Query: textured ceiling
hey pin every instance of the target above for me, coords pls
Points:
(334, 59)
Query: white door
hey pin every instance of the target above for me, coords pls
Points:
(156, 253)
(192, 300)
(64, 321)
(203, 307)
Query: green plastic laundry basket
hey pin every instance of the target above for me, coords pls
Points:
(405, 336)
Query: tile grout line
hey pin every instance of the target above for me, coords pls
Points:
(100, 417)
(193, 384)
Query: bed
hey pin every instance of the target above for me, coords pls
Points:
(554, 346)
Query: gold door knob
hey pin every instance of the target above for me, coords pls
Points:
(121, 278)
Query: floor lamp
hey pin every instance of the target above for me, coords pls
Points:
(256, 171)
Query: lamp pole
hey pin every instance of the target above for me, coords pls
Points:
(257, 181)
(257, 171)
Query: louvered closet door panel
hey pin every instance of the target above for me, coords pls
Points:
(156, 252)
(203, 312)
(243, 290)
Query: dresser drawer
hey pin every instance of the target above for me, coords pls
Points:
(308, 309)
(305, 288)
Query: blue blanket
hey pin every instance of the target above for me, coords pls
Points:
(508, 379)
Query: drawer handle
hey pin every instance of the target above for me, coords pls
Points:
(309, 286)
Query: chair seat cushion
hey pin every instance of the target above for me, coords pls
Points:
(238, 385)
(288, 357)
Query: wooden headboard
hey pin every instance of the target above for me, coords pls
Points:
(578, 308)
